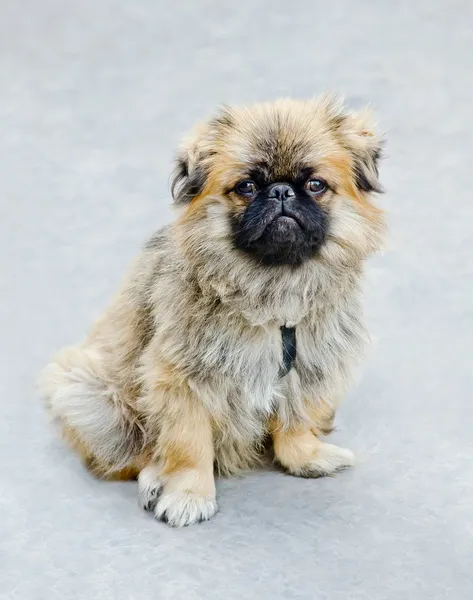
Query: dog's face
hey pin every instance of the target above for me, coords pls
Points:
(282, 222)
(290, 178)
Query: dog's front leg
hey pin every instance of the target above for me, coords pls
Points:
(178, 485)
(300, 451)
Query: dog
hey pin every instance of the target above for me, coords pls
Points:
(241, 321)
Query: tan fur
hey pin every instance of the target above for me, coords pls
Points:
(299, 449)
(303, 454)
(182, 370)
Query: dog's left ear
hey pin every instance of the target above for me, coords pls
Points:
(366, 146)
(190, 174)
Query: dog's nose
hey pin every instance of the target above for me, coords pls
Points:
(281, 191)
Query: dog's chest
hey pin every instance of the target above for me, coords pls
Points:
(248, 367)
(264, 365)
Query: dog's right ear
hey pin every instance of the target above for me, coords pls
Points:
(190, 174)
(194, 158)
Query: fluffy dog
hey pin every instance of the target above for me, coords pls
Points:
(242, 320)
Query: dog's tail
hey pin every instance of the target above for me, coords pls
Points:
(92, 412)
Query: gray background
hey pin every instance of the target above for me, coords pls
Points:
(95, 95)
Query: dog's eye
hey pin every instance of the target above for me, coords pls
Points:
(317, 186)
(245, 188)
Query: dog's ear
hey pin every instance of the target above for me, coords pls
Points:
(366, 146)
(195, 156)
(190, 173)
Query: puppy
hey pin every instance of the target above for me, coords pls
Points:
(242, 320)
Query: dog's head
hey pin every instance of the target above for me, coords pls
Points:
(287, 181)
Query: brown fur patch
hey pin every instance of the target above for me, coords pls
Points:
(177, 457)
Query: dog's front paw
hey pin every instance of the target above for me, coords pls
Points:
(327, 460)
(179, 499)
(179, 509)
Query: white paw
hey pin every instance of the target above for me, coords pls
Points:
(179, 509)
(149, 487)
(328, 460)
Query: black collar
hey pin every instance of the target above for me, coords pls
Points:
(289, 349)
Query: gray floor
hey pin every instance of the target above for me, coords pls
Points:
(94, 97)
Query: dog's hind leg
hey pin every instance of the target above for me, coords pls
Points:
(91, 409)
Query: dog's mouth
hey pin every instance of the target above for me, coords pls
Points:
(284, 226)
(285, 234)
(282, 223)
(287, 221)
